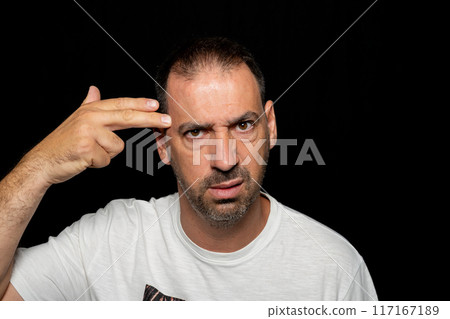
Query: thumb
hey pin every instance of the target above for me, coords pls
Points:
(93, 95)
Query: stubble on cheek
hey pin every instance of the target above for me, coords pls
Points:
(222, 213)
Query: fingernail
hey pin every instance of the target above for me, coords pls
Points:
(152, 104)
(166, 119)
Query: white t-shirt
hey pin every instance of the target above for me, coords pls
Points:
(136, 250)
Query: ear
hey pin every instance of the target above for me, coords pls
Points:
(271, 122)
(163, 147)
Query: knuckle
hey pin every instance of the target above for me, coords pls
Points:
(106, 161)
(120, 143)
(85, 146)
(152, 118)
(84, 129)
(117, 144)
(119, 102)
(128, 115)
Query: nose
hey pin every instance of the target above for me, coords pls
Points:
(225, 155)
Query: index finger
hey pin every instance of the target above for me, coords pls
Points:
(127, 103)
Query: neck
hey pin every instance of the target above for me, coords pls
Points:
(224, 240)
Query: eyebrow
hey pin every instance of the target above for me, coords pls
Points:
(189, 126)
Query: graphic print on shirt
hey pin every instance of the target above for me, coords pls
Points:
(153, 294)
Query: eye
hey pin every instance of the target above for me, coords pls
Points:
(194, 133)
(244, 126)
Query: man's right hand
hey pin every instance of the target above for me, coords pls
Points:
(86, 138)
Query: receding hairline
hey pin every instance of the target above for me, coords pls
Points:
(200, 54)
(205, 63)
(212, 68)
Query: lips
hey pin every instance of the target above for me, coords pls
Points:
(227, 189)
(228, 184)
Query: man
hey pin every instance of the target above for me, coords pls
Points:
(218, 238)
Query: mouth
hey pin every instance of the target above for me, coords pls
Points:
(227, 189)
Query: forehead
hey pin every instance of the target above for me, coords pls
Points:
(213, 95)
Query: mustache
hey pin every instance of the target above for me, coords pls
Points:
(218, 176)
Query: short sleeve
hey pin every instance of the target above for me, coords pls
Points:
(361, 287)
(56, 270)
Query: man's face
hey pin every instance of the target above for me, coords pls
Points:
(219, 141)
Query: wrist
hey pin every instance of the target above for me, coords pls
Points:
(31, 174)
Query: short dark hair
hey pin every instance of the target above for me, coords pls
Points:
(197, 54)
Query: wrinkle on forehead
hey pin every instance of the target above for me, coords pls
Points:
(214, 94)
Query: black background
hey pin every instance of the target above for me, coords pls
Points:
(358, 103)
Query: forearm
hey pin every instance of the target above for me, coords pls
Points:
(20, 194)
(85, 139)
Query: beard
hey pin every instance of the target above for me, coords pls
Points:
(223, 213)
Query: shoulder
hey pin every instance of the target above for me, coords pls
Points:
(132, 207)
(125, 215)
(318, 239)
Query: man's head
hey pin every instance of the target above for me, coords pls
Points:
(200, 55)
(221, 131)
